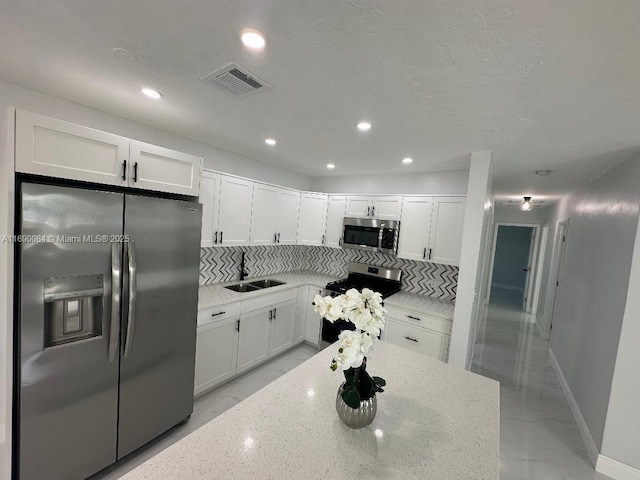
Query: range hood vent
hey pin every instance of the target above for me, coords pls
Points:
(236, 80)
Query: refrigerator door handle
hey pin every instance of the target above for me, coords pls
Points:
(116, 284)
(128, 342)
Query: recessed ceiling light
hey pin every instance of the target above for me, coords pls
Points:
(364, 126)
(151, 93)
(252, 39)
(270, 141)
(543, 173)
(330, 166)
(407, 160)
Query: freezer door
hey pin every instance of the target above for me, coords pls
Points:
(68, 394)
(159, 328)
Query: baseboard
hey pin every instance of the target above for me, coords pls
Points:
(592, 448)
(615, 469)
(507, 287)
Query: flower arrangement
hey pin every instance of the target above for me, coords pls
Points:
(365, 311)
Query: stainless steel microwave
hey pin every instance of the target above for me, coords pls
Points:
(371, 234)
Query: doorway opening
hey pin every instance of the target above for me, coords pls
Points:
(514, 266)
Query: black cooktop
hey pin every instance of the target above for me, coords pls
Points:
(385, 281)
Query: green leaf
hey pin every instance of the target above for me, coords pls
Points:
(349, 376)
(351, 396)
(379, 381)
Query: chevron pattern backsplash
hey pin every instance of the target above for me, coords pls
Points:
(221, 264)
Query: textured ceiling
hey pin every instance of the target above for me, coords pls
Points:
(542, 83)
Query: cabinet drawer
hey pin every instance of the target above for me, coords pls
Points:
(420, 340)
(418, 318)
(265, 301)
(219, 313)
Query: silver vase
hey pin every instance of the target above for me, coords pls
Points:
(356, 417)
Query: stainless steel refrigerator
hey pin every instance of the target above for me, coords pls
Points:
(106, 327)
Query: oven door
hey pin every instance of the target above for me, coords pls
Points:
(362, 234)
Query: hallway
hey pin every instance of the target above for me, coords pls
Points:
(539, 440)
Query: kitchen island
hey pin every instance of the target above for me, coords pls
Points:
(434, 421)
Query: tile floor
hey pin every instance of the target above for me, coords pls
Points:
(539, 440)
(210, 405)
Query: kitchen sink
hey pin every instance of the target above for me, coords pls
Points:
(266, 283)
(243, 287)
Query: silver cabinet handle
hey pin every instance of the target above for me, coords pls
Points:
(133, 271)
(215, 237)
(116, 285)
(411, 339)
(413, 318)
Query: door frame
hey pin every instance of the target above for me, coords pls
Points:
(557, 268)
(542, 250)
(534, 260)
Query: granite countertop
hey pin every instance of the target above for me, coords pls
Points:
(423, 303)
(215, 294)
(434, 421)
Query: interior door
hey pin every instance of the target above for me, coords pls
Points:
(159, 324)
(68, 393)
(526, 300)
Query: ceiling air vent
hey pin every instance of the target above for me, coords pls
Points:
(236, 80)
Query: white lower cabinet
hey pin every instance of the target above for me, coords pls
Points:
(216, 353)
(421, 340)
(282, 323)
(418, 331)
(313, 321)
(253, 342)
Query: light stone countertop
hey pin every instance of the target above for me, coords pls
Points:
(215, 295)
(434, 421)
(422, 303)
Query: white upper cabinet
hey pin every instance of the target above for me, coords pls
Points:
(54, 148)
(263, 215)
(447, 221)
(382, 207)
(210, 200)
(312, 223)
(234, 214)
(431, 229)
(336, 211)
(157, 168)
(46, 146)
(414, 228)
(274, 217)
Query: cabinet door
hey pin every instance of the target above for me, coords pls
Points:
(414, 227)
(358, 207)
(313, 215)
(313, 320)
(50, 147)
(420, 340)
(288, 203)
(301, 314)
(253, 339)
(445, 238)
(336, 211)
(209, 198)
(163, 170)
(216, 351)
(263, 215)
(281, 327)
(386, 207)
(234, 216)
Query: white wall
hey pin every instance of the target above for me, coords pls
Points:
(476, 242)
(436, 183)
(511, 214)
(621, 440)
(593, 286)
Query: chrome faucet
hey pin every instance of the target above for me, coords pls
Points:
(243, 272)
